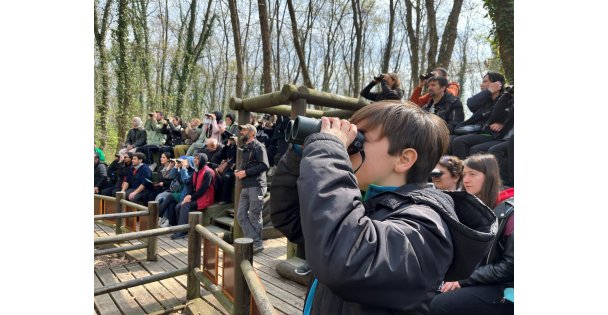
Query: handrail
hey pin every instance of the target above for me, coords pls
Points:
(141, 234)
(257, 289)
(133, 205)
(121, 215)
(103, 197)
(225, 246)
(135, 282)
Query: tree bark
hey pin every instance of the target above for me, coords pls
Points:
(104, 104)
(501, 13)
(123, 84)
(449, 36)
(298, 47)
(414, 41)
(433, 37)
(358, 25)
(236, 34)
(389, 42)
(266, 53)
(191, 53)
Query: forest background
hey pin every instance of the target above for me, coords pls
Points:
(188, 57)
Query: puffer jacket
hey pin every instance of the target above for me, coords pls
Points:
(385, 255)
(203, 182)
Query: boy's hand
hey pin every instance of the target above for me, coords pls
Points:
(342, 129)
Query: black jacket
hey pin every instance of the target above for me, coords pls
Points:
(503, 113)
(136, 137)
(386, 94)
(449, 108)
(255, 164)
(481, 104)
(385, 255)
(100, 175)
(499, 265)
(174, 134)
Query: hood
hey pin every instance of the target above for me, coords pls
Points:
(472, 225)
(202, 161)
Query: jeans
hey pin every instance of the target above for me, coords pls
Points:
(249, 213)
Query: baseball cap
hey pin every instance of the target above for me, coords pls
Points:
(250, 127)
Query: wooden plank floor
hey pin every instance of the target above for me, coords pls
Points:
(158, 297)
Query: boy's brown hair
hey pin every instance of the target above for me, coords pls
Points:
(407, 126)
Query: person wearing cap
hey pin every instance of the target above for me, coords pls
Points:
(252, 174)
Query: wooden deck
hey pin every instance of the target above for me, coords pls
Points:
(163, 296)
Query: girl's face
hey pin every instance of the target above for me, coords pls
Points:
(163, 159)
(446, 181)
(473, 180)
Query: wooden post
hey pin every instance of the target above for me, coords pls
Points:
(243, 250)
(120, 195)
(237, 231)
(193, 290)
(152, 224)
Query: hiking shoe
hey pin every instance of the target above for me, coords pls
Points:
(165, 223)
(257, 249)
(303, 269)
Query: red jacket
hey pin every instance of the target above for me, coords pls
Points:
(207, 197)
(453, 88)
(502, 196)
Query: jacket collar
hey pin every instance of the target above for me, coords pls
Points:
(391, 198)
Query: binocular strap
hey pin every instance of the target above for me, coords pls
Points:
(362, 160)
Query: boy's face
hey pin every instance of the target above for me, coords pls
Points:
(379, 167)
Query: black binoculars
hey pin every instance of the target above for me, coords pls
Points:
(298, 129)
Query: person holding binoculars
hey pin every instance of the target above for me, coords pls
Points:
(391, 88)
(453, 87)
(387, 250)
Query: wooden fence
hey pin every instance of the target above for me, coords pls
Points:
(241, 291)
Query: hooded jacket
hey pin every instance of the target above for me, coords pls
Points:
(182, 178)
(385, 255)
(481, 104)
(153, 132)
(203, 184)
(498, 267)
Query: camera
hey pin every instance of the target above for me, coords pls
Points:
(298, 129)
(426, 76)
(509, 89)
(379, 77)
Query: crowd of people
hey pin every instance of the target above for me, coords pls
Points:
(187, 167)
(424, 225)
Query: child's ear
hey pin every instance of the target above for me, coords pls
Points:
(406, 160)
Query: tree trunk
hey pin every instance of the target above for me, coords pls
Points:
(266, 53)
(298, 47)
(449, 36)
(236, 33)
(413, 40)
(389, 42)
(358, 25)
(191, 53)
(501, 13)
(104, 104)
(433, 37)
(123, 71)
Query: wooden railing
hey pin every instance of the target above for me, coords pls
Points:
(241, 291)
